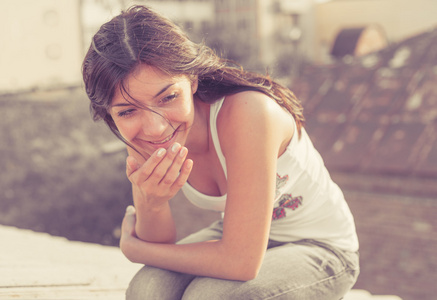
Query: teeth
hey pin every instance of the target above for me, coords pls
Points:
(163, 141)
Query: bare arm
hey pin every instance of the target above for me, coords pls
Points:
(203, 259)
(251, 136)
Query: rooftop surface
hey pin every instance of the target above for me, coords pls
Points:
(376, 114)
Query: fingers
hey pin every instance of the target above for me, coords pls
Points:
(178, 173)
(176, 158)
(167, 170)
(163, 168)
(183, 176)
(161, 171)
(131, 165)
(146, 169)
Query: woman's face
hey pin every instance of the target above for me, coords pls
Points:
(169, 112)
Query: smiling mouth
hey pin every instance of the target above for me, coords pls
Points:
(163, 141)
(166, 139)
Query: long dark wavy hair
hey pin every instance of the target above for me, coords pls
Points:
(140, 36)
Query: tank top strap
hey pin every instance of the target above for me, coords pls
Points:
(214, 111)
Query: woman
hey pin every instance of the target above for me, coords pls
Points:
(234, 142)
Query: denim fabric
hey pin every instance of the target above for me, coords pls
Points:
(305, 269)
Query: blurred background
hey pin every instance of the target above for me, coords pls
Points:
(365, 70)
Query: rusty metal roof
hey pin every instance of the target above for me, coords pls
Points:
(376, 114)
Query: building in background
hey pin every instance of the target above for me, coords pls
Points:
(47, 39)
(93, 13)
(266, 31)
(197, 17)
(41, 44)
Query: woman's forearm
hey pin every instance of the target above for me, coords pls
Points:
(211, 259)
(156, 226)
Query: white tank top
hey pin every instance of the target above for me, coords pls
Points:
(307, 204)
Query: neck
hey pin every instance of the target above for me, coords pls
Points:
(198, 139)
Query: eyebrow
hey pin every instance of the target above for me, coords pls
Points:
(159, 93)
(163, 90)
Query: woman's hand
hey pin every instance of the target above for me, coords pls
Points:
(128, 235)
(154, 183)
(159, 178)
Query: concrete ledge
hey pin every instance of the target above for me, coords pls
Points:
(39, 266)
(365, 295)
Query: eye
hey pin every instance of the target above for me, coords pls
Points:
(126, 113)
(168, 98)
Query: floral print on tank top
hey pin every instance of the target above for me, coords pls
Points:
(286, 200)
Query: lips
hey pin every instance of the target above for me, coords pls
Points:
(164, 140)
(165, 143)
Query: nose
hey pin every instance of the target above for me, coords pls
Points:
(153, 124)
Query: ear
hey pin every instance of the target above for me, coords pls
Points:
(194, 85)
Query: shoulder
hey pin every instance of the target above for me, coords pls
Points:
(253, 108)
(248, 102)
(253, 114)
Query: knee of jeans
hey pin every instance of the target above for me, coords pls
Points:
(154, 283)
(138, 284)
(145, 283)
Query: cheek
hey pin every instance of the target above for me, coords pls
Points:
(183, 114)
(127, 129)
(189, 111)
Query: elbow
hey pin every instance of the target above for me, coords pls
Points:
(241, 265)
(246, 271)
(247, 276)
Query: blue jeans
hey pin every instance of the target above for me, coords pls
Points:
(306, 269)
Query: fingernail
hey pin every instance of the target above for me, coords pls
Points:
(161, 152)
(189, 164)
(130, 209)
(175, 147)
(183, 152)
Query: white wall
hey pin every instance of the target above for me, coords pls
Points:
(97, 12)
(40, 44)
(44, 41)
(194, 11)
